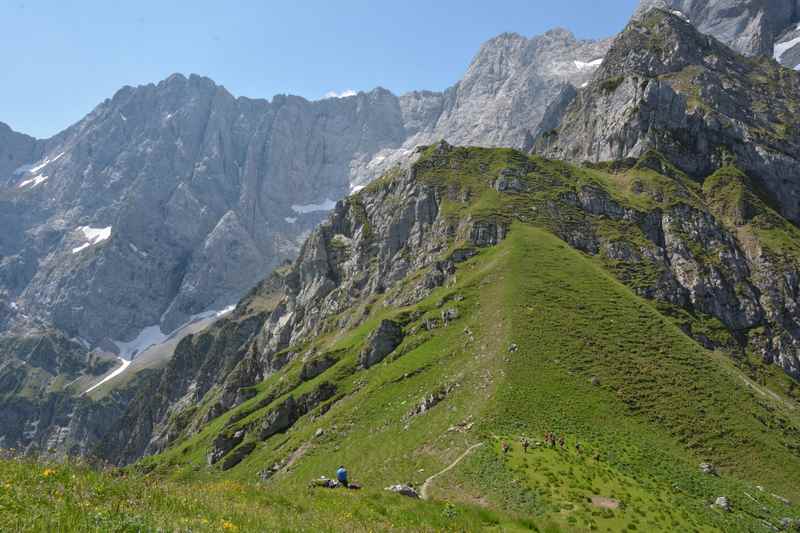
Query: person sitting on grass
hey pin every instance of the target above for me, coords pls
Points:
(341, 475)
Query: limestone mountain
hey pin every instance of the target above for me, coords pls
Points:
(665, 86)
(164, 205)
(751, 27)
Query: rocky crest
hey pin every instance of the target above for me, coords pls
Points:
(751, 27)
(665, 86)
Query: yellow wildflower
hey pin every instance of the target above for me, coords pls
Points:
(48, 472)
(229, 526)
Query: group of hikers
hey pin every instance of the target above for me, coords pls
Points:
(551, 440)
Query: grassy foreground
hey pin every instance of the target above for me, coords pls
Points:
(72, 497)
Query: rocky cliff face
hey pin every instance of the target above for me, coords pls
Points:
(719, 251)
(665, 86)
(506, 90)
(172, 199)
(16, 150)
(751, 27)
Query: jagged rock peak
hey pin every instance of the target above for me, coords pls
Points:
(657, 43)
(751, 27)
(665, 86)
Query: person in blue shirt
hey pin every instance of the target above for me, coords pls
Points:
(341, 475)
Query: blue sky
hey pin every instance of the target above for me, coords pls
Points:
(60, 58)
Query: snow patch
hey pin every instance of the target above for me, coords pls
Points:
(138, 251)
(81, 248)
(782, 48)
(356, 188)
(36, 168)
(93, 236)
(33, 182)
(580, 65)
(344, 94)
(682, 15)
(585, 84)
(326, 205)
(148, 337)
(152, 335)
(24, 169)
(290, 220)
(122, 368)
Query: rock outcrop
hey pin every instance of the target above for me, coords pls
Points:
(381, 343)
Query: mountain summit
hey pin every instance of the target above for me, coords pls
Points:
(751, 27)
(666, 86)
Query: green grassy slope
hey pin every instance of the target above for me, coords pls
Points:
(591, 360)
(46, 498)
(662, 406)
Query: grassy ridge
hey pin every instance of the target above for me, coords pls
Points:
(591, 360)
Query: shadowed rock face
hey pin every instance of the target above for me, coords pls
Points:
(16, 150)
(381, 343)
(751, 27)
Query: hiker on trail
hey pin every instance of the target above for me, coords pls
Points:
(341, 475)
(578, 447)
(562, 441)
(547, 439)
(525, 444)
(506, 447)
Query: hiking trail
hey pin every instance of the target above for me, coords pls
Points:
(423, 493)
